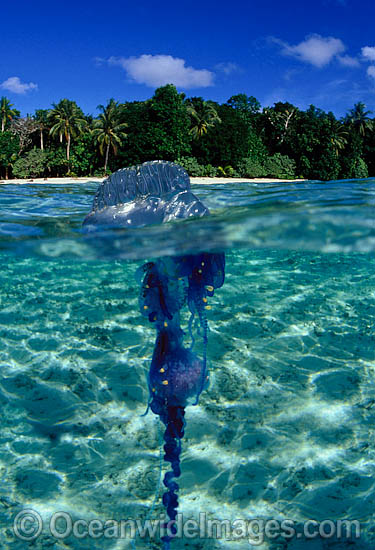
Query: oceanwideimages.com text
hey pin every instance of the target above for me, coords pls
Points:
(28, 525)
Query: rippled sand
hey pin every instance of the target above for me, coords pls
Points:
(285, 430)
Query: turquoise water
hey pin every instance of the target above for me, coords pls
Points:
(286, 428)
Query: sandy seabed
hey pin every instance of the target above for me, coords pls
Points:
(285, 429)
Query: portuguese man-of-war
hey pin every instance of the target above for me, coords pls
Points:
(156, 192)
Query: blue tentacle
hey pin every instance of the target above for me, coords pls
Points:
(175, 423)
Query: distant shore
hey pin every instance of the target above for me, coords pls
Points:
(194, 181)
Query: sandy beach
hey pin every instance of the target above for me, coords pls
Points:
(205, 181)
(194, 181)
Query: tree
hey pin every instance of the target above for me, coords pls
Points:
(23, 128)
(32, 165)
(281, 116)
(67, 121)
(352, 154)
(169, 121)
(9, 148)
(108, 130)
(203, 116)
(84, 158)
(248, 105)
(41, 119)
(324, 161)
(339, 135)
(312, 140)
(136, 115)
(358, 117)
(231, 141)
(6, 112)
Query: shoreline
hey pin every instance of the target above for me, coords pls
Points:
(205, 181)
(193, 181)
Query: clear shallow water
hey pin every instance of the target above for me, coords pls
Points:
(286, 428)
(45, 220)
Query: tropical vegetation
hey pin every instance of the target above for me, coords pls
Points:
(108, 130)
(234, 138)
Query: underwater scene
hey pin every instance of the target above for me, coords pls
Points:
(275, 447)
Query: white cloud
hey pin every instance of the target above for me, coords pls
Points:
(158, 70)
(348, 61)
(227, 67)
(315, 49)
(14, 84)
(99, 61)
(368, 53)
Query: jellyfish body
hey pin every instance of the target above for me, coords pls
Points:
(175, 372)
(156, 192)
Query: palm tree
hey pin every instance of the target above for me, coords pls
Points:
(67, 121)
(108, 131)
(358, 117)
(339, 134)
(41, 119)
(203, 116)
(6, 112)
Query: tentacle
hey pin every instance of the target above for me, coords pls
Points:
(199, 306)
(190, 326)
(175, 424)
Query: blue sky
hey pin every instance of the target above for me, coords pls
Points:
(320, 52)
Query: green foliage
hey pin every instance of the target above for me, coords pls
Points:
(280, 166)
(67, 122)
(360, 169)
(209, 171)
(57, 164)
(101, 173)
(192, 167)
(9, 149)
(138, 146)
(229, 142)
(196, 170)
(257, 150)
(226, 171)
(326, 167)
(280, 141)
(203, 116)
(279, 123)
(169, 123)
(359, 119)
(84, 158)
(315, 141)
(248, 105)
(356, 169)
(7, 113)
(109, 131)
(352, 154)
(158, 129)
(250, 168)
(32, 165)
(276, 166)
(42, 125)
